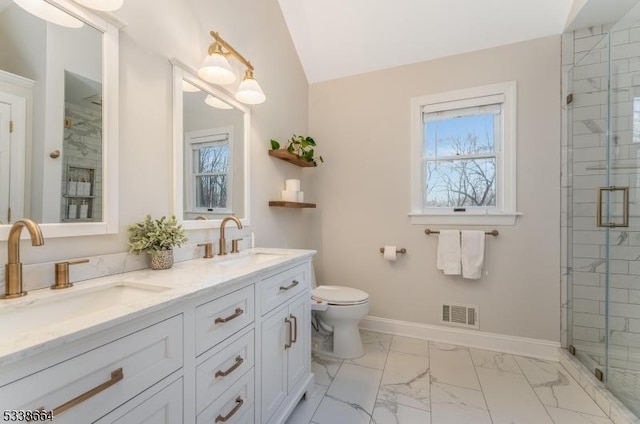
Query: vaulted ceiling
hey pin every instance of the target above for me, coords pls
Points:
(338, 38)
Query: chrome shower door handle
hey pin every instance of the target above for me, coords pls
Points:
(625, 207)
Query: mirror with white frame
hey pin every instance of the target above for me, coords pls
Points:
(58, 121)
(211, 153)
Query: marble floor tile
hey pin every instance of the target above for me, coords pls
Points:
(393, 413)
(452, 365)
(336, 411)
(410, 381)
(376, 347)
(307, 407)
(511, 399)
(555, 386)
(564, 416)
(356, 386)
(410, 345)
(494, 360)
(324, 368)
(454, 405)
(406, 381)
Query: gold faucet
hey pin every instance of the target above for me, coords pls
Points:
(208, 249)
(223, 242)
(62, 273)
(13, 268)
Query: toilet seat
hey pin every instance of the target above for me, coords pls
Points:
(339, 295)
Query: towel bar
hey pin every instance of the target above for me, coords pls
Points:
(489, 233)
(402, 250)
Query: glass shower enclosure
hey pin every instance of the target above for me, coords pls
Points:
(601, 204)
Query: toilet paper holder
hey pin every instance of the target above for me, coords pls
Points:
(402, 250)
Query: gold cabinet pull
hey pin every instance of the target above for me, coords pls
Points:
(295, 328)
(236, 314)
(116, 376)
(238, 362)
(625, 210)
(239, 402)
(290, 286)
(288, 344)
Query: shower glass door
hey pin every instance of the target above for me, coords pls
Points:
(603, 206)
(622, 200)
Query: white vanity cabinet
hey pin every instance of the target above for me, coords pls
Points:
(161, 404)
(83, 388)
(224, 372)
(285, 346)
(238, 353)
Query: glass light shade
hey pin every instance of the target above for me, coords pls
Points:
(250, 92)
(216, 102)
(217, 70)
(49, 13)
(189, 88)
(106, 5)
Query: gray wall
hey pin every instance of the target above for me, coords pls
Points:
(362, 126)
(153, 35)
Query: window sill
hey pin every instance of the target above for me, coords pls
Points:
(464, 218)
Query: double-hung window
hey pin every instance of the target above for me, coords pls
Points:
(208, 172)
(463, 156)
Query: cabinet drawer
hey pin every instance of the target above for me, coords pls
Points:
(223, 317)
(163, 405)
(215, 375)
(281, 287)
(232, 405)
(248, 417)
(88, 386)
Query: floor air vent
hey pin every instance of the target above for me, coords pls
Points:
(460, 315)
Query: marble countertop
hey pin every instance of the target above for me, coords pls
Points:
(186, 280)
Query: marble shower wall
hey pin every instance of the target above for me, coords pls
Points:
(82, 150)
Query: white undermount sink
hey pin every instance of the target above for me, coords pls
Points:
(253, 258)
(74, 305)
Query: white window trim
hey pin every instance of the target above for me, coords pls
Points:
(504, 213)
(190, 200)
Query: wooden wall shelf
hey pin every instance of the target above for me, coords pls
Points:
(283, 204)
(291, 158)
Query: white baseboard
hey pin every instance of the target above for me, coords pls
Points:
(542, 349)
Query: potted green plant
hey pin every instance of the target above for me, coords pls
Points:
(301, 146)
(157, 237)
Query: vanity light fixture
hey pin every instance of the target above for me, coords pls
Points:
(216, 102)
(48, 12)
(216, 69)
(189, 88)
(104, 5)
(249, 91)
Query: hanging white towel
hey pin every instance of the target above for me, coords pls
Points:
(472, 254)
(448, 259)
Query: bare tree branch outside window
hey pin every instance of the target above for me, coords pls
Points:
(212, 163)
(460, 169)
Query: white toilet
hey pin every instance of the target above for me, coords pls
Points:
(338, 311)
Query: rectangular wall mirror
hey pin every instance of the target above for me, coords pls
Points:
(211, 153)
(58, 121)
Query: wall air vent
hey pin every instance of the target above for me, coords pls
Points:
(460, 315)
